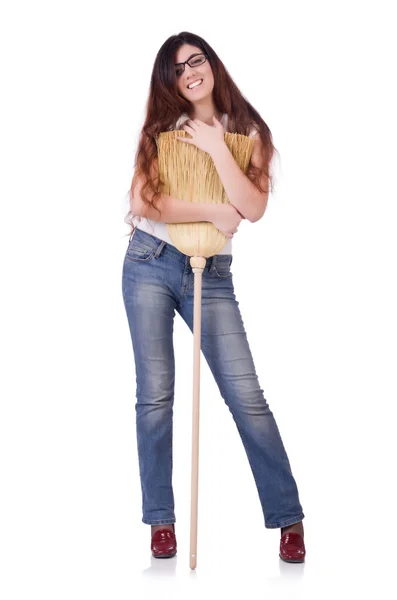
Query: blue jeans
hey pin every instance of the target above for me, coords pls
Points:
(157, 280)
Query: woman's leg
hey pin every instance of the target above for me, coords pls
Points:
(225, 346)
(150, 311)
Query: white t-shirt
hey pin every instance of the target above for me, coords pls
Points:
(159, 228)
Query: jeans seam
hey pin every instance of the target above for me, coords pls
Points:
(287, 522)
(159, 522)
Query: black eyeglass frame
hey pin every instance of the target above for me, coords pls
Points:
(187, 62)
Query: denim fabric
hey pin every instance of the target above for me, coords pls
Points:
(157, 280)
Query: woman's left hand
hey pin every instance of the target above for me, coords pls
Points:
(206, 137)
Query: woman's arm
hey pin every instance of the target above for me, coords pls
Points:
(172, 209)
(241, 192)
(224, 217)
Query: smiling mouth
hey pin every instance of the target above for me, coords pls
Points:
(196, 84)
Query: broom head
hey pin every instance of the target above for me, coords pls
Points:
(189, 173)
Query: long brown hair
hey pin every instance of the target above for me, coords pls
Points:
(165, 105)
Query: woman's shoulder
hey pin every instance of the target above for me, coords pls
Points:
(253, 130)
(181, 120)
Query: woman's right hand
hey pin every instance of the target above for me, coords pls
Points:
(226, 218)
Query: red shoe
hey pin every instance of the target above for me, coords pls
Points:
(164, 543)
(292, 548)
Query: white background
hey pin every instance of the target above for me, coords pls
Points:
(315, 279)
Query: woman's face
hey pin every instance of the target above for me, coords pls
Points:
(192, 74)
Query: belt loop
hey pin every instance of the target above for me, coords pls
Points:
(213, 263)
(159, 249)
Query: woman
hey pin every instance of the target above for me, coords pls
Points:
(158, 280)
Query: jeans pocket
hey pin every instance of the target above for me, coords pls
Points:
(139, 251)
(222, 266)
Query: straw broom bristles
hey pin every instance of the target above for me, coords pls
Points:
(189, 174)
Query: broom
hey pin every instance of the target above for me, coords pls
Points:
(189, 173)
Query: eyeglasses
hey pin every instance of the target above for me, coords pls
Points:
(194, 61)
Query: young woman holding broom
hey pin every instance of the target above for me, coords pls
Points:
(191, 90)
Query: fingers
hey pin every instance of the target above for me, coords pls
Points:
(229, 234)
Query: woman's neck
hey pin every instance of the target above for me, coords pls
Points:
(206, 115)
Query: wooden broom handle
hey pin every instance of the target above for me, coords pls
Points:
(198, 264)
